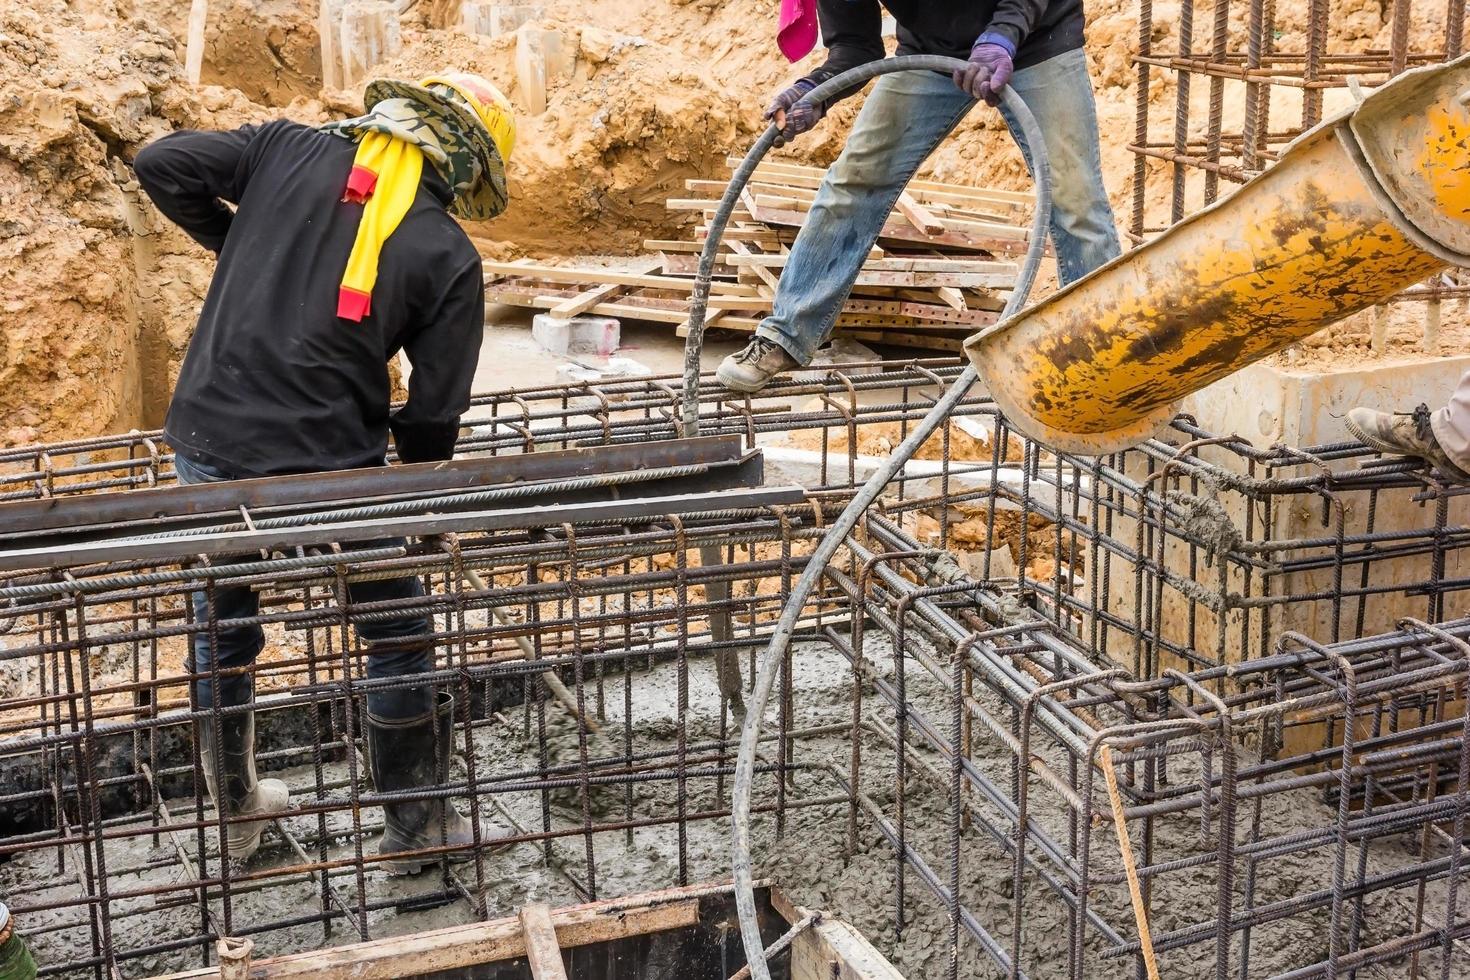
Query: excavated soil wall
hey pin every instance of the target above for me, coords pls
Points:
(100, 294)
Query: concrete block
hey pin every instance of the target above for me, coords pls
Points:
(329, 31)
(368, 37)
(506, 18)
(541, 57)
(579, 335)
(1268, 405)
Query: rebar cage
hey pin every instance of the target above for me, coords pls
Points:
(1219, 665)
(1221, 88)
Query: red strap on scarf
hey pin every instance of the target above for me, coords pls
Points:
(353, 304)
(360, 184)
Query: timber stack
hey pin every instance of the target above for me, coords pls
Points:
(941, 268)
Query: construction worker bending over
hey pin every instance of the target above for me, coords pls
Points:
(1441, 439)
(340, 252)
(1034, 46)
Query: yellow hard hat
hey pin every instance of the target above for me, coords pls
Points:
(467, 113)
(489, 103)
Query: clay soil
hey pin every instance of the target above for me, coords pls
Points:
(100, 293)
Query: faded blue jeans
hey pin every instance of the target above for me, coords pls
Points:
(394, 649)
(904, 118)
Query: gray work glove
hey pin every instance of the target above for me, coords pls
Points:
(793, 121)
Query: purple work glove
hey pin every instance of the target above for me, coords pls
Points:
(990, 68)
(793, 122)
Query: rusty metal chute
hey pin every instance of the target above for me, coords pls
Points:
(1356, 210)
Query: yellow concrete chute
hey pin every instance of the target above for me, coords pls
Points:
(1357, 209)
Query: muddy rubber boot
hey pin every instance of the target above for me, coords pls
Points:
(752, 367)
(244, 793)
(1403, 434)
(409, 754)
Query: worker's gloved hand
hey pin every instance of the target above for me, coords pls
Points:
(990, 68)
(793, 121)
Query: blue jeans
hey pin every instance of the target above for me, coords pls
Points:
(904, 118)
(394, 647)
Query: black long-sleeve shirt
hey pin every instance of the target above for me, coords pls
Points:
(853, 29)
(274, 382)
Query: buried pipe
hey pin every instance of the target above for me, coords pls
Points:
(781, 640)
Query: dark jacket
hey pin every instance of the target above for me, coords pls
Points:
(274, 382)
(852, 29)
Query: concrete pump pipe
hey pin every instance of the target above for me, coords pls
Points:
(1355, 210)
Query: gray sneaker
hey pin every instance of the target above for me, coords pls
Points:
(753, 366)
(1403, 434)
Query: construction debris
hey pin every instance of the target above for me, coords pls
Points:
(585, 334)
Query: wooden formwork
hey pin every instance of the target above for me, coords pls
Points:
(606, 940)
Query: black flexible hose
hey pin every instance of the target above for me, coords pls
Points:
(776, 649)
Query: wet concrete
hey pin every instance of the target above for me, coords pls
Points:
(809, 861)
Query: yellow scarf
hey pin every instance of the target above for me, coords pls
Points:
(385, 178)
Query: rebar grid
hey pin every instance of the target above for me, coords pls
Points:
(1265, 835)
(539, 635)
(1186, 554)
(1247, 79)
(531, 419)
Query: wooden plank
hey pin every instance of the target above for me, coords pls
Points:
(498, 270)
(580, 304)
(771, 168)
(855, 957)
(830, 949)
(918, 280)
(959, 208)
(953, 298)
(694, 204)
(898, 338)
(685, 265)
(901, 230)
(636, 312)
(194, 48)
(458, 947)
(766, 276)
(896, 264)
(918, 215)
(569, 308)
(541, 947)
(992, 228)
(711, 319)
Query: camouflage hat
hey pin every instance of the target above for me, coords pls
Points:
(476, 168)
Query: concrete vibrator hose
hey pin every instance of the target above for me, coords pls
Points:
(838, 531)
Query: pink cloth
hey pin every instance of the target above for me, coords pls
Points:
(796, 34)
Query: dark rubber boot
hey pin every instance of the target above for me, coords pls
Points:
(410, 754)
(244, 794)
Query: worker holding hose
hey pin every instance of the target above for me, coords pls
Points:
(339, 251)
(1033, 46)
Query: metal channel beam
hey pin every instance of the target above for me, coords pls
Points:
(244, 542)
(182, 505)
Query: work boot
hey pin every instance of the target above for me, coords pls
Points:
(413, 754)
(244, 794)
(1403, 434)
(750, 369)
